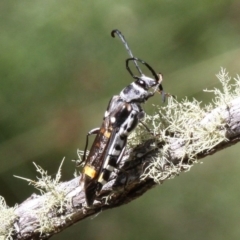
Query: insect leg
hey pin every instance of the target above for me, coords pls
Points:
(91, 132)
(147, 128)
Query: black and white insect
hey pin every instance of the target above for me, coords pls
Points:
(123, 113)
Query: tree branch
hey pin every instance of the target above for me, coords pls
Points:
(150, 162)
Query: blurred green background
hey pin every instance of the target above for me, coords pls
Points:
(59, 67)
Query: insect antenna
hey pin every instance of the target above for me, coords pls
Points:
(132, 58)
(127, 47)
(144, 63)
(135, 60)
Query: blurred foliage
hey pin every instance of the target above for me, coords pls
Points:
(58, 69)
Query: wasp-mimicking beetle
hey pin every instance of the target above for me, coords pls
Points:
(123, 113)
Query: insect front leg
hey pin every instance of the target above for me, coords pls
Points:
(140, 116)
(145, 126)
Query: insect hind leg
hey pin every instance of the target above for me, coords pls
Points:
(91, 132)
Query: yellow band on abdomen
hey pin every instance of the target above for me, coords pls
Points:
(107, 134)
(89, 171)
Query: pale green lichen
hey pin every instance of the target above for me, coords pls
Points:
(7, 219)
(55, 198)
(186, 121)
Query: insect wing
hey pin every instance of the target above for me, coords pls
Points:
(94, 163)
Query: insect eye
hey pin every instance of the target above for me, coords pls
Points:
(141, 83)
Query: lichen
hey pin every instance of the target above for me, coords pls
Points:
(55, 198)
(187, 122)
(7, 219)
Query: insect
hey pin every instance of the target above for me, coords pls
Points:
(123, 113)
